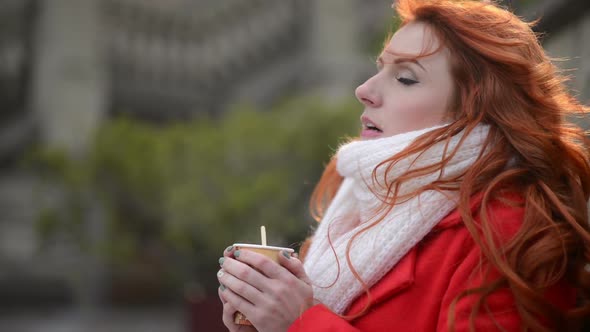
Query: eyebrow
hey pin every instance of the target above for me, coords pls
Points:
(402, 60)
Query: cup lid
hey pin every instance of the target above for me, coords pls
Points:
(259, 246)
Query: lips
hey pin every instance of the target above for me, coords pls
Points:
(370, 128)
(368, 124)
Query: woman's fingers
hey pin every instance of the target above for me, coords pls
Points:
(229, 251)
(228, 316)
(294, 265)
(220, 293)
(243, 288)
(265, 265)
(255, 269)
(244, 272)
(238, 302)
(228, 320)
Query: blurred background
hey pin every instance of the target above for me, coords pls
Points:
(139, 138)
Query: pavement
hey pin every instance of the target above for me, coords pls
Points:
(76, 320)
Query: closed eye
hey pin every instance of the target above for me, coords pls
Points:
(406, 81)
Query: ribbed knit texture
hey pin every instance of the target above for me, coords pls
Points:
(377, 250)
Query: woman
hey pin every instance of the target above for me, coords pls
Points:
(461, 207)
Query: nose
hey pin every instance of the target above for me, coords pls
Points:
(367, 94)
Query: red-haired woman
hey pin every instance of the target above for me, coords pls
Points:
(461, 207)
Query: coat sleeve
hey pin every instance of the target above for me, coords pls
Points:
(321, 319)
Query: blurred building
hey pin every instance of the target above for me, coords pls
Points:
(66, 66)
(17, 124)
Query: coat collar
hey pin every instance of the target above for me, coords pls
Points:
(454, 218)
(403, 275)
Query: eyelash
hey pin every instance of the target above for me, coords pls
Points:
(406, 81)
(402, 80)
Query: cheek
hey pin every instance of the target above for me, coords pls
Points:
(418, 110)
(425, 104)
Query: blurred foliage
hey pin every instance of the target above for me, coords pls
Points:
(191, 189)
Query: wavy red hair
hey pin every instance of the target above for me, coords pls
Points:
(503, 78)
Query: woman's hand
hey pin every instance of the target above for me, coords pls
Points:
(270, 295)
(228, 316)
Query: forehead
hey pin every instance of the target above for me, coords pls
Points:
(413, 39)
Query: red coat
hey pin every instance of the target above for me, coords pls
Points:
(417, 293)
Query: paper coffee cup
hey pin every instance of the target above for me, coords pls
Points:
(268, 251)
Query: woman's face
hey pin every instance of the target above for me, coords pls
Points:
(406, 95)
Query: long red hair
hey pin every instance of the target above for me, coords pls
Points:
(503, 78)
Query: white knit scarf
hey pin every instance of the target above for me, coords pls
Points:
(377, 250)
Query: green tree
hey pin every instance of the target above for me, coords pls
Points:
(190, 189)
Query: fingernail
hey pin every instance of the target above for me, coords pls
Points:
(222, 287)
(221, 260)
(237, 254)
(286, 254)
(220, 274)
(228, 249)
